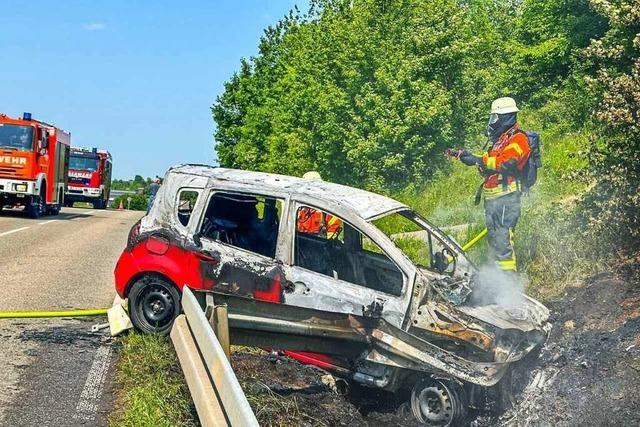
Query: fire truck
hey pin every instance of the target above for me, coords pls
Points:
(34, 158)
(89, 177)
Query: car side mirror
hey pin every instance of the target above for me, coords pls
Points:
(440, 262)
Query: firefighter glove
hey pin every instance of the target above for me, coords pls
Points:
(469, 159)
(453, 152)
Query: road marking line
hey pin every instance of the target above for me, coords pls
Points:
(13, 231)
(47, 222)
(87, 407)
(89, 213)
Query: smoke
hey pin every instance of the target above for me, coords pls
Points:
(495, 286)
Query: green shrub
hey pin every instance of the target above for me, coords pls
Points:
(138, 202)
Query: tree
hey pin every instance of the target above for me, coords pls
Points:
(544, 47)
(615, 156)
(368, 92)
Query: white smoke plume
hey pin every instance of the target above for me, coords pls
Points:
(495, 286)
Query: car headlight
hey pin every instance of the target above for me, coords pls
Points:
(20, 187)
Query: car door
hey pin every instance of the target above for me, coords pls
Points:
(238, 238)
(341, 270)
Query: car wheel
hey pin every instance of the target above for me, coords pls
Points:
(154, 303)
(438, 403)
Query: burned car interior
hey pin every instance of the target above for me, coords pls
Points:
(338, 252)
(244, 221)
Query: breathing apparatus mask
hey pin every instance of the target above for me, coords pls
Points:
(499, 124)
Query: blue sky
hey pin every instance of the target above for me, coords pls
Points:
(135, 77)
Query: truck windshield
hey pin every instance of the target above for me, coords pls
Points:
(16, 137)
(83, 163)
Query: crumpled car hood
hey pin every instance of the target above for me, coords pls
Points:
(527, 316)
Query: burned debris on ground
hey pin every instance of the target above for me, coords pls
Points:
(284, 392)
(591, 363)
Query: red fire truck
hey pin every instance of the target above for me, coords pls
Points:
(34, 157)
(89, 177)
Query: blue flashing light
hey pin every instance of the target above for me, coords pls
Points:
(26, 116)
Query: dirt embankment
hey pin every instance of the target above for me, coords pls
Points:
(282, 392)
(588, 373)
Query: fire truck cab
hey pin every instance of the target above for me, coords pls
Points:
(34, 158)
(89, 177)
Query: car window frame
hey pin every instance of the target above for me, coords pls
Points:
(284, 204)
(293, 229)
(176, 208)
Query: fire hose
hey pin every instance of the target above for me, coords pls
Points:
(475, 240)
(48, 314)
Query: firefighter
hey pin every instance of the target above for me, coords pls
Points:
(499, 166)
(153, 190)
(312, 221)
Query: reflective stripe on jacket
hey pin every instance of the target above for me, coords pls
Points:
(513, 146)
(312, 221)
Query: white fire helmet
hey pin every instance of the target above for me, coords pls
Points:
(504, 105)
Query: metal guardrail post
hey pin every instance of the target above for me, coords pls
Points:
(234, 402)
(219, 321)
(200, 387)
(222, 328)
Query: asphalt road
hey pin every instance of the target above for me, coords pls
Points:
(55, 372)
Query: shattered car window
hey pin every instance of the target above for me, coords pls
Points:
(247, 222)
(326, 244)
(416, 241)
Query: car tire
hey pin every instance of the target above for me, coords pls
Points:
(154, 303)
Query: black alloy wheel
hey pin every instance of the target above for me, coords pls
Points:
(154, 303)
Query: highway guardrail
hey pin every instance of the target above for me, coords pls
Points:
(216, 392)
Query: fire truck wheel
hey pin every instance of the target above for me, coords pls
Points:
(154, 303)
(36, 208)
(55, 209)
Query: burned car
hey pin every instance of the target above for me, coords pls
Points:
(351, 281)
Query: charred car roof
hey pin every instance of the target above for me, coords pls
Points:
(363, 203)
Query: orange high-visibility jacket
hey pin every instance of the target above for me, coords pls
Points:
(512, 145)
(313, 221)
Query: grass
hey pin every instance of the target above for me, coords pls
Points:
(151, 386)
(151, 390)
